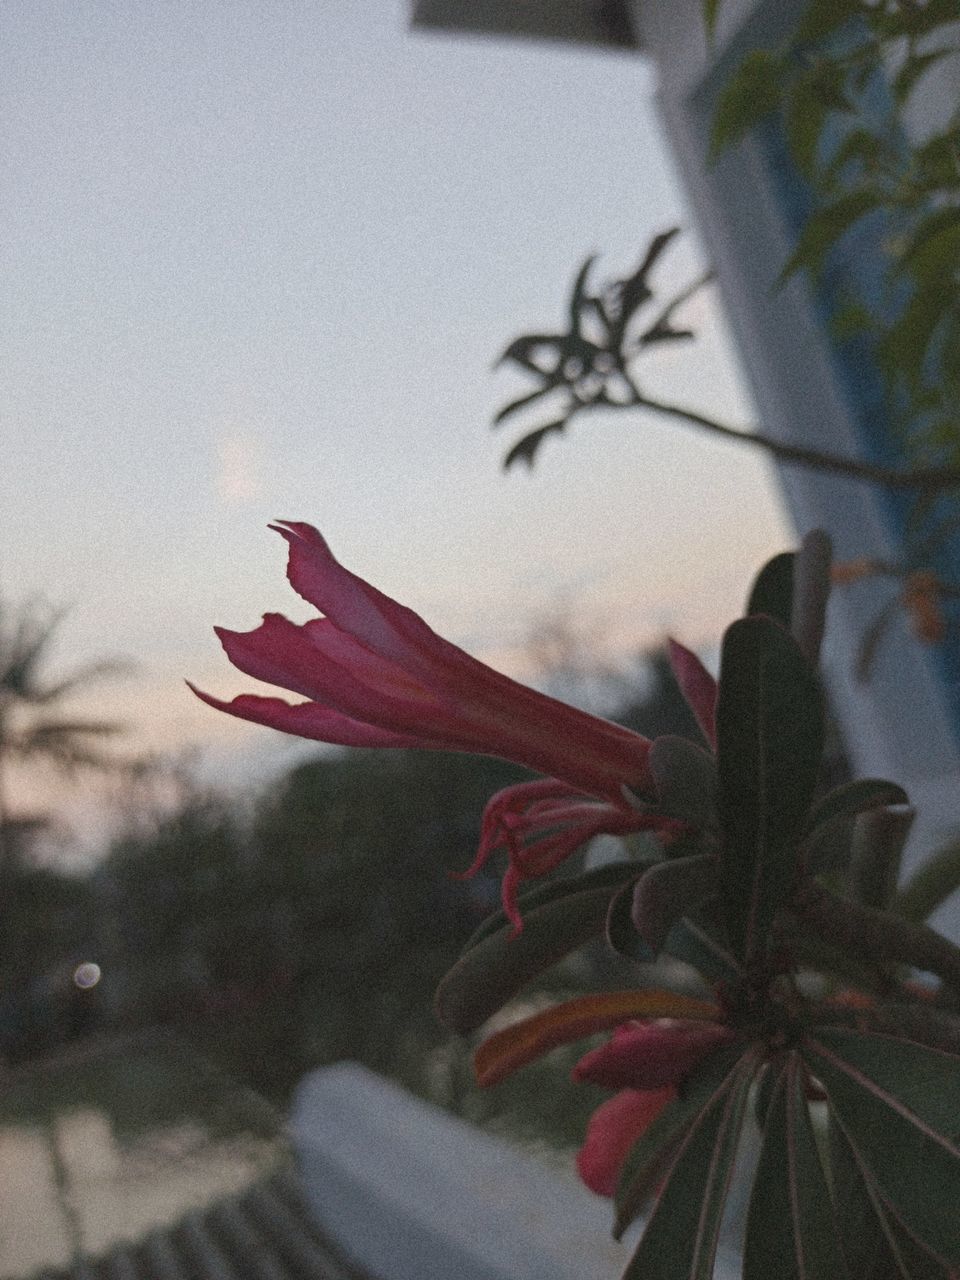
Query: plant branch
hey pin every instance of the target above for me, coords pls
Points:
(924, 479)
(878, 936)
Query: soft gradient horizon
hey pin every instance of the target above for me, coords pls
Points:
(259, 263)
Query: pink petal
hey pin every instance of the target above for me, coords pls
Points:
(309, 720)
(613, 1129)
(649, 1055)
(515, 722)
(697, 686)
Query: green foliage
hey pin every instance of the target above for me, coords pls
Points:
(589, 366)
(856, 1099)
(816, 82)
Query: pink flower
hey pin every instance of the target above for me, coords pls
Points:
(375, 675)
(646, 1061)
(540, 824)
(613, 1129)
(648, 1055)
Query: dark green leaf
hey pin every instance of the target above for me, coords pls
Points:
(711, 9)
(821, 18)
(811, 590)
(855, 797)
(693, 940)
(643, 1165)
(492, 972)
(825, 226)
(579, 293)
(772, 591)
(791, 1229)
(669, 890)
(864, 1244)
(525, 450)
(610, 875)
(806, 114)
(879, 836)
(751, 94)
(622, 934)
(930, 886)
(681, 1235)
(829, 838)
(899, 1104)
(769, 744)
(685, 776)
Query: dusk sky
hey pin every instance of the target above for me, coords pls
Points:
(258, 263)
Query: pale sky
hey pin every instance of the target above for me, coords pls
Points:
(258, 261)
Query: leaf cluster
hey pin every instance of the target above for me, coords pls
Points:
(588, 366)
(840, 87)
(781, 906)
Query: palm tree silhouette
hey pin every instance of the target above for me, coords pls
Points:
(33, 725)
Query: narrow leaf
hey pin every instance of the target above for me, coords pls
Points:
(811, 590)
(693, 942)
(610, 875)
(876, 852)
(931, 885)
(525, 450)
(644, 1164)
(506, 1051)
(698, 687)
(829, 839)
(681, 1236)
(769, 744)
(899, 1103)
(514, 405)
(772, 591)
(791, 1232)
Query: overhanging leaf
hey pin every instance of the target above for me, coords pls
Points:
(506, 1051)
(610, 875)
(879, 836)
(668, 891)
(752, 93)
(791, 1231)
(898, 1103)
(931, 884)
(828, 840)
(769, 744)
(500, 964)
(680, 1242)
(685, 776)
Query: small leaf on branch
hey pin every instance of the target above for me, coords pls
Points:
(772, 591)
(525, 450)
(685, 776)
